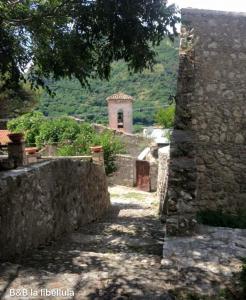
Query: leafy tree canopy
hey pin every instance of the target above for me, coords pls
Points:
(150, 90)
(17, 101)
(165, 117)
(80, 38)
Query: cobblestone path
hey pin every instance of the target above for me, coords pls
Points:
(120, 257)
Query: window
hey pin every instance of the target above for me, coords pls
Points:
(120, 119)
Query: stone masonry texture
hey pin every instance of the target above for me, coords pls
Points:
(126, 171)
(40, 203)
(162, 179)
(208, 150)
(119, 257)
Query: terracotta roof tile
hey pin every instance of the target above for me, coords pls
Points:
(120, 96)
(4, 139)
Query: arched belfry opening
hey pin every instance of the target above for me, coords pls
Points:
(120, 119)
(120, 112)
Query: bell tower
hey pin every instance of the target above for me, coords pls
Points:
(120, 112)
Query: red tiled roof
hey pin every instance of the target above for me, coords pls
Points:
(120, 96)
(4, 139)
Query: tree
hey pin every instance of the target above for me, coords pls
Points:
(165, 117)
(17, 101)
(78, 38)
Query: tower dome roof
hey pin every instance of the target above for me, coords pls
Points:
(120, 96)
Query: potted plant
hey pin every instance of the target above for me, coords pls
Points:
(96, 149)
(31, 150)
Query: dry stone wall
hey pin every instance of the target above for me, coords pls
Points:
(208, 149)
(162, 180)
(126, 171)
(153, 176)
(46, 200)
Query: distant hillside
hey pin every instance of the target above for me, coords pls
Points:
(150, 90)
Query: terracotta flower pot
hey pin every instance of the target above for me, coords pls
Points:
(16, 137)
(31, 150)
(96, 149)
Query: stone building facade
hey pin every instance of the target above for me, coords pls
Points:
(208, 150)
(120, 112)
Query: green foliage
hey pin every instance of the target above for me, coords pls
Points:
(79, 38)
(150, 90)
(138, 128)
(67, 150)
(72, 138)
(168, 135)
(165, 117)
(16, 101)
(111, 146)
(29, 124)
(81, 144)
(217, 218)
(57, 130)
(87, 138)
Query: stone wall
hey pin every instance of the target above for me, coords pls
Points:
(163, 155)
(208, 148)
(134, 143)
(126, 171)
(46, 200)
(153, 176)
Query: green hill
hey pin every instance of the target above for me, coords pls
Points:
(149, 89)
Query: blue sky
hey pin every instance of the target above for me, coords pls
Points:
(226, 5)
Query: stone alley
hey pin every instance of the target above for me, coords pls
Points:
(120, 257)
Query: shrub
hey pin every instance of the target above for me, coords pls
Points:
(72, 138)
(67, 150)
(138, 128)
(57, 131)
(165, 117)
(29, 124)
(111, 147)
(87, 138)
